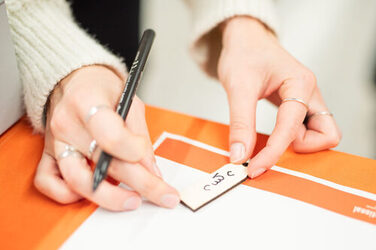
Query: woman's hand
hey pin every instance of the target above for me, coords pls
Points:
(252, 66)
(68, 179)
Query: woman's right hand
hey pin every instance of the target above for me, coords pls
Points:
(68, 179)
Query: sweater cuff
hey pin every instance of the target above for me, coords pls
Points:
(208, 14)
(49, 45)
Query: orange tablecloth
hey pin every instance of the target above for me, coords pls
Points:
(30, 220)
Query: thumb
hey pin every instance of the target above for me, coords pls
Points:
(242, 122)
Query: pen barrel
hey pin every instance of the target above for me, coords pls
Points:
(126, 98)
(135, 73)
(103, 163)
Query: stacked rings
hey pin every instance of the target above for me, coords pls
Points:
(92, 111)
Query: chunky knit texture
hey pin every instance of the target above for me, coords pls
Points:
(208, 14)
(49, 44)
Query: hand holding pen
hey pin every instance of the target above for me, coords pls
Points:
(63, 173)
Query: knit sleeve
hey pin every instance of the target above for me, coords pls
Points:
(49, 45)
(208, 14)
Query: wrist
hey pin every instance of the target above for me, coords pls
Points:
(92, 73)
(240, 28)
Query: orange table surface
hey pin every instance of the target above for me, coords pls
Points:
(30, 220)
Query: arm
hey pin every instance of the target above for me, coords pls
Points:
(59, 61)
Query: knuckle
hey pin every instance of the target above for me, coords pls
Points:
(231, 85)
(309, 78)
(229, 81)
(64, 198)
(39, 183)
(334, 140)
(58, 121)
(239, 125)
(75, 98)
(298, 146)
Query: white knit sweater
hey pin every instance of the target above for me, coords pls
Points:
(49, 44)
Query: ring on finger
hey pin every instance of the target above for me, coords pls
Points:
(93, 110)
(292, 99)
(92, 147)
(69, 151)
(319, 113)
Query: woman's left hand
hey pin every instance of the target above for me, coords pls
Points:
(252, 66)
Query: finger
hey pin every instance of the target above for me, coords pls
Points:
(242, 101)
(105, 125)
(79, 177)
(145, 183)
(290, 116)
(49, 182)
(109, 130)
(136, 123)
(79, 137)
(66, 126)
(321, 132)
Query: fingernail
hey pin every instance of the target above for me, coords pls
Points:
(170, 200)
(132, 203)
(157, 170)
(257, 172)
(237, 152)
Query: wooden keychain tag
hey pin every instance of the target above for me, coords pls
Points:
(212, 186)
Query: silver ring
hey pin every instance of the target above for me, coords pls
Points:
(69, 151)
(296, 100)
(92, 147)
(93, 110)
(319, 113)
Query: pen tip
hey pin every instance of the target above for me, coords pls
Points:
(95, 186)
(97, 180)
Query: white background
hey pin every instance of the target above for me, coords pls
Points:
(336, 39)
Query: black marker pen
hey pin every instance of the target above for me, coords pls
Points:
(126, 99)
